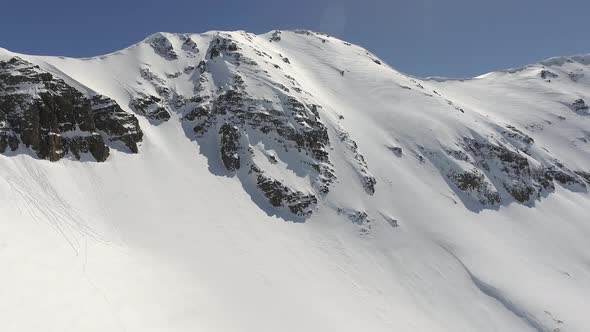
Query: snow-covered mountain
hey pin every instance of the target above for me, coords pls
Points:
(290, 181)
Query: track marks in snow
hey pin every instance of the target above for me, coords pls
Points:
(501, 298)
(44, 204)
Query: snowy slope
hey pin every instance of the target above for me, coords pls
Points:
(291, 182)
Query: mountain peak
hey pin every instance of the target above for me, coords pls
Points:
(198, 153)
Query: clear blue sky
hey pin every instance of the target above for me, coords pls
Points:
(455, 38)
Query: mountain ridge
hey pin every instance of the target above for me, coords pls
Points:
(555, 60)
(190, 151)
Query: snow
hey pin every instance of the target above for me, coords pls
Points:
(156, 242)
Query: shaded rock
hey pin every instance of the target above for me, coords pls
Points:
(93, 144)
(279, 195)
(367, 180)
(545, 74)
(584, 175)
(580, 107)
(150, 107)
(397, 151)
(474, 182)
(189, 46)
(163, 47)
(359, 218)
(276, 36)
(230, 145)
(52, 118)
(116, 123)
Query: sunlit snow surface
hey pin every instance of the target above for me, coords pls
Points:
(156, 241)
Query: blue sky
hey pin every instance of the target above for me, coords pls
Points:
(454, 38)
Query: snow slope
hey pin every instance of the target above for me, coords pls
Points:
(476, 219)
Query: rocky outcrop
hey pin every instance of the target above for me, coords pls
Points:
(117, 124)
(93, 144)
(163, 47)
(224, 46)
(236, 119)
(494, 173)
(150, 107)
(547, 75)
(54, 119)
(230, 146)
(508, 168)
(584, 175)
(279, 195)
(189, 46)
(579, 106)
(368, 181)
(474, 183)
(276, 36)
(359, 218)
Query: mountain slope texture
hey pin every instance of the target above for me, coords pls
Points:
(290, 181)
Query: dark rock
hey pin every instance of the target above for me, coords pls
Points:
(545, 74)
(223, 45)
(367, 180)
(279, 195)
(359, 218)
(189, 46)
(369, 183)
(116, 123)
(230, 146)
(580, 107)
(93, 144)
(163, 47)
(584, 175)
(150, 107)
(53, 118)
(397, 151)
(511, 171)
(474, 181)
(276, 36)
(517, 177)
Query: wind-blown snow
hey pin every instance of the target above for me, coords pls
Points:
(159, 241)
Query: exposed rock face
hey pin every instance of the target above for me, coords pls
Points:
(259, 119)
(359, 218)
(93, 144)
(189, 46)
(546, 74)
(579, 106)
(285, 122)
(493, 173)
(367, 179)
(279, 195)
(509, 169)
(584, 175)
(163, 47)
(150, 107)
(43, 113)
(223, 45)
(474, 183)
(397, 151)
(230, 145)
(116, 123)
(276, 36)
(290, 125)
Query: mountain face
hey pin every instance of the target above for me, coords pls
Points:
(290, 181)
